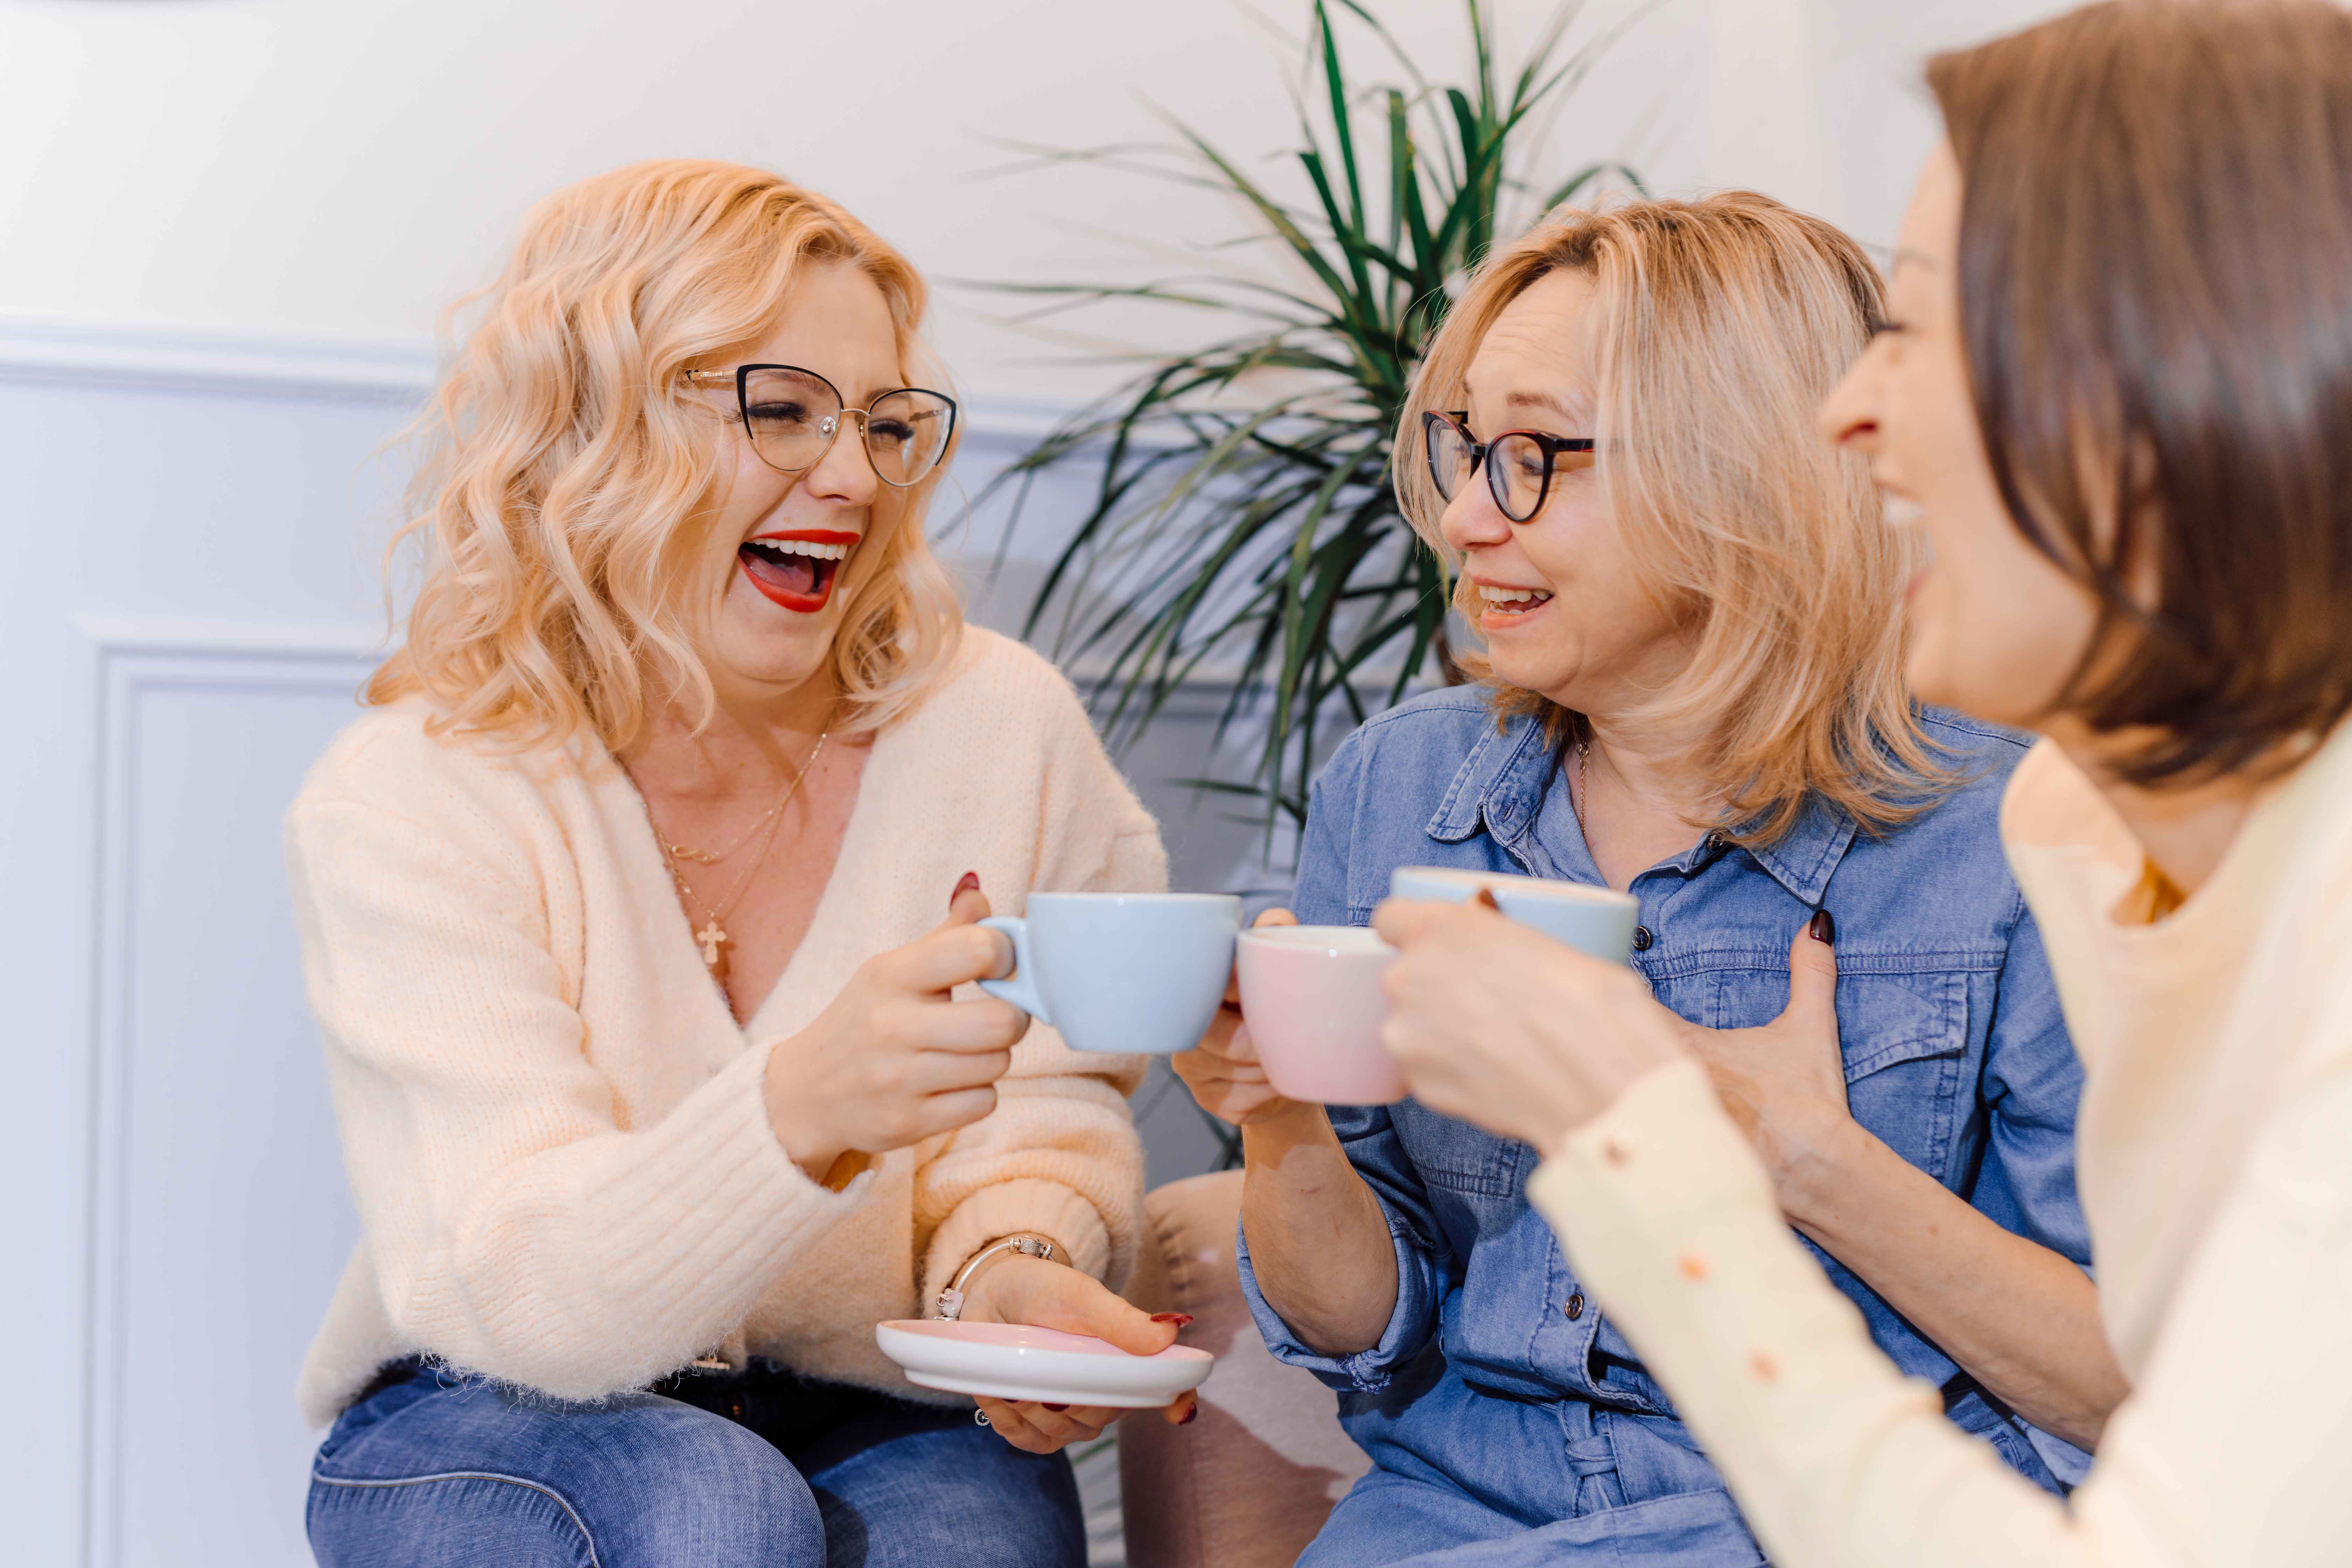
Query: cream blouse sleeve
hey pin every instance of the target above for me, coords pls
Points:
(2232, 1450)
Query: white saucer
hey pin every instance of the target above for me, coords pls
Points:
(1010, 1360)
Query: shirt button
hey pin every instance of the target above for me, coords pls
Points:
(1575, 1307)
(1642, 939)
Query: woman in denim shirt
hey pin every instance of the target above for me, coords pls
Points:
(1693, 692)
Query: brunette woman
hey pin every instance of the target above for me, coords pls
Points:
(2114, 389)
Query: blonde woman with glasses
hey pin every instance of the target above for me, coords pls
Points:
(638, 917)
(1692, 691)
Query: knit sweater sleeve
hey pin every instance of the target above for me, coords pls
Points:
(515, 1225)
(1059, 1156)
(1839, 1461)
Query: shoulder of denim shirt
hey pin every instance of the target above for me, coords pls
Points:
(1976, 759)
(1983, 754)
(1966, 732)
(1959, 832)
(1445, 722)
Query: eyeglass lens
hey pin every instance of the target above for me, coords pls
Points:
(1518, 470)
(791, 417)
(1449, 454)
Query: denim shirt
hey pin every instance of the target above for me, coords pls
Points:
(1956, 1057)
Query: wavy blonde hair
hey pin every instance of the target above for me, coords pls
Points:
(568, 479)
(1722, 325)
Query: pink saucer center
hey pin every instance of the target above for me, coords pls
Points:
(1024, 1337)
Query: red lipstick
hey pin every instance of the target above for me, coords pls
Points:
(800, 581)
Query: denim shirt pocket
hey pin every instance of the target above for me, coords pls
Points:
(1903, 1029)
(1904, 1037)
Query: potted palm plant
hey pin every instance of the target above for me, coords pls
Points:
(1243, 531)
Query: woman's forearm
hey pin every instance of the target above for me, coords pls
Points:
(1319, 1242)
(2020, 1319)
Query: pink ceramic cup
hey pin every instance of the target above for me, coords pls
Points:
(1311, 1000)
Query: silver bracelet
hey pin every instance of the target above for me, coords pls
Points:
(950, 1303)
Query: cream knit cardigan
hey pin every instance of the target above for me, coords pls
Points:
(552, 1125)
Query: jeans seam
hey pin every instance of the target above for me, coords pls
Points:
(548, 1492)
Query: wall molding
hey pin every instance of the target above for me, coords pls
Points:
(126, 661)
(288, 363)
(162, 357)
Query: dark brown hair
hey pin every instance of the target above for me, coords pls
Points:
(2155, 291)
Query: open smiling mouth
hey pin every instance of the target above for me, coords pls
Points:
(1498, 604)
(796, 571)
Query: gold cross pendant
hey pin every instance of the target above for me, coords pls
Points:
(711, 939)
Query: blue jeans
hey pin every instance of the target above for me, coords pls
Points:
(436, 1471)
(1388, 1521)
(1546, 1482)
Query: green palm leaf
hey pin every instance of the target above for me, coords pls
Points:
(1243, 528)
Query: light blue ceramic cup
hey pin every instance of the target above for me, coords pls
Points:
(1598, 921)
(1121, 972)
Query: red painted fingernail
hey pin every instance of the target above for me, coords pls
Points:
(1823, 928)
(1057, 1409)
(970, 883)
(1180, 1318)
(1486, 896)
(1190, 1414)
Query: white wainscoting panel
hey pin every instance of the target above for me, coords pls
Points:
(186, 599)
(219, 1214)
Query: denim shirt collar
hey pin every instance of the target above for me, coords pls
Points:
(1501, 785)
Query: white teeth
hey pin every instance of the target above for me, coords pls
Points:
(805, 547)
(1512, 595)
(1900, 510)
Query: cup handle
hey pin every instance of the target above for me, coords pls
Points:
(1020, 987)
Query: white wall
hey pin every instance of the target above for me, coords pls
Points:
(345, 168)
(228, 227)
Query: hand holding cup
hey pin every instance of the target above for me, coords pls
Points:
(1519, 1033)
(1224, 1071)
(896, 1058)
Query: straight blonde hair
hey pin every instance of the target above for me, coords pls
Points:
(568, 482)
(1723, 324)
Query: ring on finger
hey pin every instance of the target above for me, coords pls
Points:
(979, 1416)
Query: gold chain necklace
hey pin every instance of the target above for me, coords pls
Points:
(712, 936)
(712, 857)
(1581, 785)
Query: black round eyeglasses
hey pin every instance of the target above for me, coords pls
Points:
(1519, 463)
